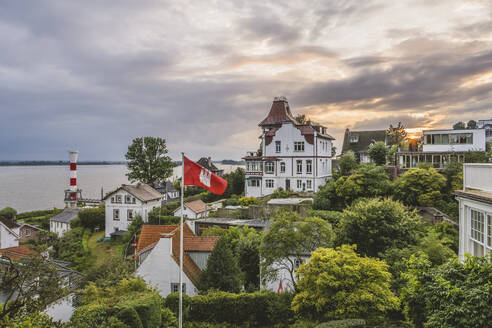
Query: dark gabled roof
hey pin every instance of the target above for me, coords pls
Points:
(141, 191)
(307, 130)
(9, 223)
(206, 162)
(66, 216)
(366, 138)
(165, 187)
(279, 113)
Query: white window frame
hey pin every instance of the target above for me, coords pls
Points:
(27, 232)
(299, 184)
(269, 183)
(299, 166)
(282, 167)
(278, 147)
(309, 166)
(309, 184)
(129, 215)
(480, 230)
(269, 167)
(116, 214)
(175, 287)
(298, 146)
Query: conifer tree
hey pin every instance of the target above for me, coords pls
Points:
(222, 271)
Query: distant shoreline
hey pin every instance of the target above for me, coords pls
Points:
(64, 163)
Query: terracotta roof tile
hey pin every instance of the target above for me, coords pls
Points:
(18, 252)
(197, 206)
(200, 244)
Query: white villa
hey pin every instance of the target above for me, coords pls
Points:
(440, 145)
(475, 208)
(126, 202)
(293, 156)
(193, 210)
(158, 257)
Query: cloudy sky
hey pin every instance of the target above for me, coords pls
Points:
(94, 74)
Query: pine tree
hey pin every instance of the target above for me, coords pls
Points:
(222, 271)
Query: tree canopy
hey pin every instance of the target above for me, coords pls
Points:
(459, 126)
(147, 160)
(222, 271)
(347, 163)
(339, 284)
(396, 134)
(472, 124)
(291, 238)
(420, 187)
(377, 225)
(378, 153)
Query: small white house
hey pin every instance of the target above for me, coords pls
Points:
(128, 201)
(8, 237)
(158, 257)
(60, 223)
(454, 140)
(475, 210)
(283, 280)
(194, 210)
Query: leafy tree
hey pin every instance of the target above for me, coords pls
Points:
(477, 157)
(366, 181)
(110, 272)
(302, 119)
(333, 151)
(147, 160)
(70, 248)
(339, 284)
(420, 187)
(93, 218)
(378, 153)
(472, 124)
(222, 271)
(396, 134)
(8, 213)
(347, 163)
(244, 242)
(235, 182)
(456, 294)
(291, 238)
(459, 126)
(377, 225)
(28, 285)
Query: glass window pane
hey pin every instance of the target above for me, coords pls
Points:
(445, 139)
(469, 138)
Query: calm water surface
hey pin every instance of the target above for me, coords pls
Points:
(28, 188)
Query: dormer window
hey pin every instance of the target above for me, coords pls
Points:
(354, 139)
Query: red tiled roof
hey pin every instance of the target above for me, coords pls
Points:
(197, 206)
(151, 234)
(310, 130)
(279, 112)
(18, 252)
(199, 243)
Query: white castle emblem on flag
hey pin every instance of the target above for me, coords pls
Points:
(205, 176)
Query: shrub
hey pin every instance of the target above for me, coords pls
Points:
(280, 193)
(93, 218)
(164, 219)
(91, 315)
(39, 213)
(333, 217)
(169, 320)
(8, 213)
(129, 316)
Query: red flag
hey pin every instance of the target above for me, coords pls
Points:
(197, 175)
(280, 287)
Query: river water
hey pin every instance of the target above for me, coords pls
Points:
(28, 188)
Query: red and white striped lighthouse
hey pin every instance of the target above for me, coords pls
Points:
(74, 155)
(73, 194)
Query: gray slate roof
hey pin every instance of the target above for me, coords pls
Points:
(366, 138)
(66, 216)
(141, 191)
(165, 187)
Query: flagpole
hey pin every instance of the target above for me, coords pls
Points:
(180, 320)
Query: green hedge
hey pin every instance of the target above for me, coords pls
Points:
(347, 323)
(253, 309)
(25, 215)
(164, 220)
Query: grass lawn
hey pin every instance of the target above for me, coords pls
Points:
(102, 252)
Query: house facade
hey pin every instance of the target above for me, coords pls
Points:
(487, 126)
(360, 141)
(439, 147)
(27, 232)
(8, 236)
(60, 223)
(193, 210)
(125, 203)
(475, 210)
(293, 156)
(158, 257)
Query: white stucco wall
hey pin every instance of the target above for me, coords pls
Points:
(284, 276)
(59, 228)
(190, 214)
(477, 176)
(7, 238)
(139, 208)
(159, 269)
(478, 144)
(319, 153)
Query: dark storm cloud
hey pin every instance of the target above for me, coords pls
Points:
(382, 123)
(411, 83)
